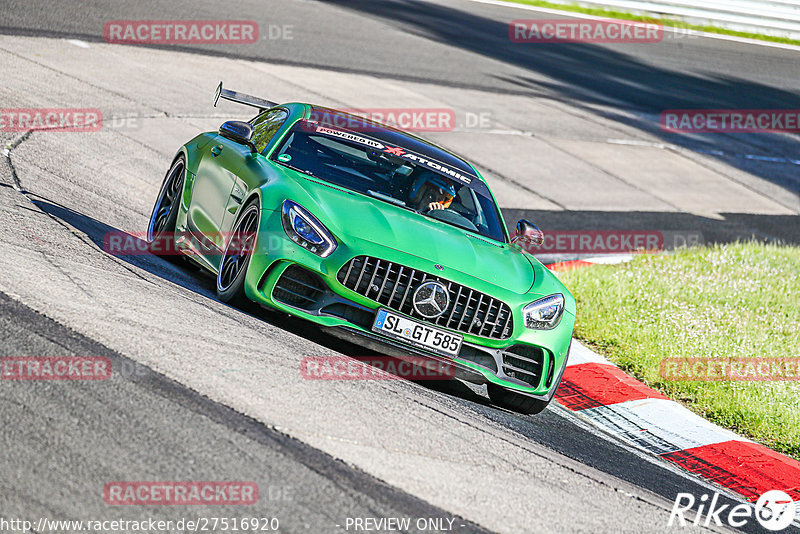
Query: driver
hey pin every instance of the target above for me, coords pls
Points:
(431, 191)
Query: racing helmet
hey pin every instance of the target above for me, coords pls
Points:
(441, 189)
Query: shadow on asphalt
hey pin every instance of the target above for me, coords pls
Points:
(678, 226)
(586, 75)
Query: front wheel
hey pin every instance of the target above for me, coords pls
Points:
(236, 259)
(515, 401)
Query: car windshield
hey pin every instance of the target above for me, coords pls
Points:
(391, 174)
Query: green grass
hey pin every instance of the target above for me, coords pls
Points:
(734, 301)
(655, 20)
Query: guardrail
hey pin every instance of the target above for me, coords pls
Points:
(770, 17)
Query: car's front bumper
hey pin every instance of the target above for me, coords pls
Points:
(281, 272)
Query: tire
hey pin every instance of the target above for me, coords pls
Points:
(514, 401)
(161, 228)
(236, 258)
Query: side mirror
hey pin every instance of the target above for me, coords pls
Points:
(238, 131)
(528, 236)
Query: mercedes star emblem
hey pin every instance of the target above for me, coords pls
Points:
(431, 299)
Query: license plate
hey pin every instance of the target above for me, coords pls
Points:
(417, 334)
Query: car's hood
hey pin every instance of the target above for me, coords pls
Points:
(351, 216)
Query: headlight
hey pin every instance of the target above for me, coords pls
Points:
(305, 230)
(545, 313)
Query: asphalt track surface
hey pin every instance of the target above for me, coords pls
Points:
(170, 419)
(165, 426)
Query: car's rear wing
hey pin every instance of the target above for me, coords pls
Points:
(242, 98)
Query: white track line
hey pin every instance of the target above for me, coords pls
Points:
(671, 29)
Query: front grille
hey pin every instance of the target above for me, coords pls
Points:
(393, 285)
(524, 363)
(298, 287)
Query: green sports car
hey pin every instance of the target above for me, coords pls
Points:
(375, 235)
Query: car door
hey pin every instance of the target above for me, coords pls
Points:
(216, 175)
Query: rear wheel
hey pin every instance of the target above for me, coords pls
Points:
(236, 259)
(161, 230)
(515, 401)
